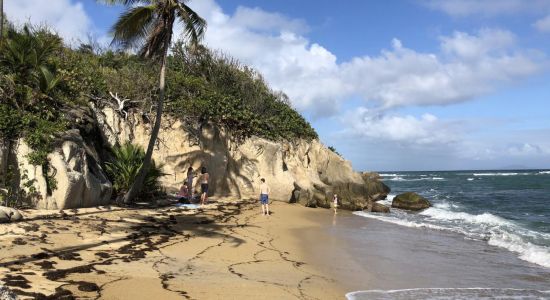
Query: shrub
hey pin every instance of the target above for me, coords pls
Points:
(124, 167)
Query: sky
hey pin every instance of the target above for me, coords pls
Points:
(392, 85)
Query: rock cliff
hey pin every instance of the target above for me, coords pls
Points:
(302, 171)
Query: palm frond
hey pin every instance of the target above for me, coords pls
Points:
(160, 36)
(133, 26)
(194, 25)
(47, 80)
(124, 2)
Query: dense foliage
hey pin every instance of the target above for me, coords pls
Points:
(41, 79)
(124, 168)
(213, 86)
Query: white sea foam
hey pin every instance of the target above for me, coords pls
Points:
(496, 230)
(388, 200)
(437, 213)
(388, 175)
(536, 254)
(544, 172)
(398, 221)
(449, 294)
(399, 178)
(470, 179)
(501, 174)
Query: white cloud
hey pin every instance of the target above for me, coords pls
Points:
(468, 65)
(543, 24)
(487, 40)
(67, 18)
(461, 8)
(493, 8)
(425, 130)
(525, 149)
(256, 18)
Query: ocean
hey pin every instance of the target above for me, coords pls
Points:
(509, 210)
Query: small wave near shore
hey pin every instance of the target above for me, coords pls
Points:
(449, 294)
(496, 231)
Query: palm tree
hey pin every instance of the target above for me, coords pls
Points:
(148, 24)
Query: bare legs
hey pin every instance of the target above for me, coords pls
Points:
(265, 209)
(204, 198)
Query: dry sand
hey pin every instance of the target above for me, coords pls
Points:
(227, 250)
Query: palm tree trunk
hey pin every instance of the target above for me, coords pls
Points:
(140, 178)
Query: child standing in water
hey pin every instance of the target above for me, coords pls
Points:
(335, 203)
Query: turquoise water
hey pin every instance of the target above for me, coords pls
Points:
(505, 209)
(508, 209)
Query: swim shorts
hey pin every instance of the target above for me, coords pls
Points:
(264, 199)
(204, 188)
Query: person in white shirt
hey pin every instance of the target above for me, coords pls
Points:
(264, 197)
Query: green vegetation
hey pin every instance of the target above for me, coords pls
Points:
(41, 80)
(150, 25)
(331, 148)
(220, 89)
(124, 168)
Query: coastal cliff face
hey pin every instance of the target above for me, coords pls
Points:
(303, 171)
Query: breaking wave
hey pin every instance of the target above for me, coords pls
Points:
(529, 245)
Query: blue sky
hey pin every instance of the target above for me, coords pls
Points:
(393, 85)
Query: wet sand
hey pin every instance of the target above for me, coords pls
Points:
(374, 255)
(227, 250)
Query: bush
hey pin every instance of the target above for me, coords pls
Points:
(124, 168)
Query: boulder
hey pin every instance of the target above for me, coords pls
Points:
(380, 208)
(4, 218)
(410, 201)
(8, 214)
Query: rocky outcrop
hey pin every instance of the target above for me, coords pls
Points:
(410, 201)
(380, 208)
(304, 172)
(8, 214)
(74, 178)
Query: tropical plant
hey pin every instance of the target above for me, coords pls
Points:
(148, 24)
(26, 54)
(125, 166)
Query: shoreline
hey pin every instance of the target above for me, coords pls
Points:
(229, 250)
(395, 257)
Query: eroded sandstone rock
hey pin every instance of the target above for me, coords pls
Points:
(8, 214)
(301, 171)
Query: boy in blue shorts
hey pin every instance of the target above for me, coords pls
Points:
(264, 197)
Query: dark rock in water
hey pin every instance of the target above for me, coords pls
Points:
(381, 208)
(410, 201)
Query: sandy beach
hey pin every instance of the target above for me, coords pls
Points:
(226, 250)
